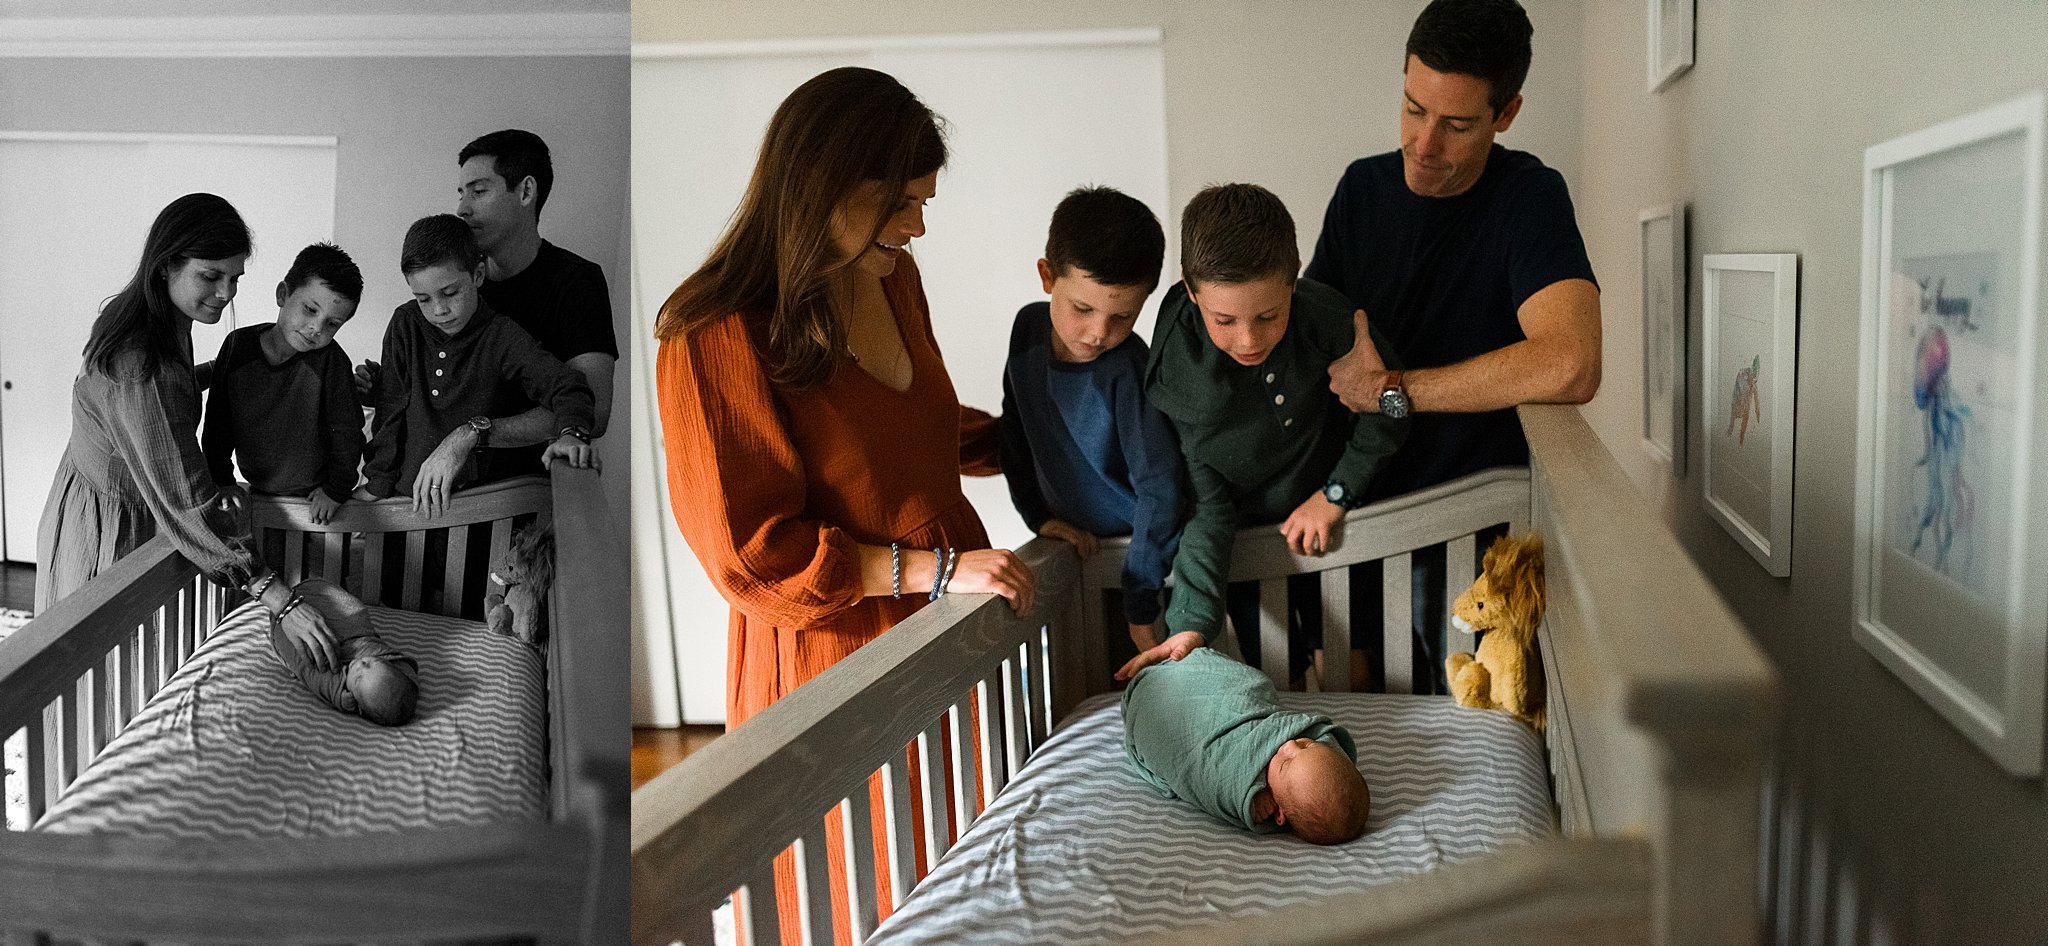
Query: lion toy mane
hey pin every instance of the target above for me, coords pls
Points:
(1503, 607)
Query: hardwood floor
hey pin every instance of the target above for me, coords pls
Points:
(656, 750)
(17, 586)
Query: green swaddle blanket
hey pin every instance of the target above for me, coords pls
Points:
(1203, 728)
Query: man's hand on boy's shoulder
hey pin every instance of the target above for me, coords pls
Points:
(366, 382)
(1360, 374)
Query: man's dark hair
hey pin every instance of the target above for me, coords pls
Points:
(1107, 234)
(327, 263)
(1484, 38)
(1235, 233)
(441, 238)
(516, 155)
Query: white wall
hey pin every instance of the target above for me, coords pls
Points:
(1894, 827)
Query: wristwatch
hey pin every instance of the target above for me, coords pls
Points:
(1394, 397)
(578, 433)
(1341, 497)
(482, 426)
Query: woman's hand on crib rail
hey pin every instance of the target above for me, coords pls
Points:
(994, 571)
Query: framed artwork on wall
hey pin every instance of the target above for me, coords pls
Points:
(1661, 246)
(1950, 581)
(1749, 381)
(1670, 41)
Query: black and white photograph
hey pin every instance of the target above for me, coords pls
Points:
(314, 370)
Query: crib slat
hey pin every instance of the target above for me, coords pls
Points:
(152, 655)
(373, 567)
(1396, 586)
(103, 702)
(1016, 729)
(931, 794)
(901, 833)
(754, 911)
(1038, 669)
(333, 555)
(988, 719)
(1273, 630)
(1459, 570)
(294, 556)
(453, 570)
(125, 679)
(961, 766)
(501, 539)
(813, 887)
(1336, 630)
(67, 771)
(37, 778)
(857, 833)
(415, 560)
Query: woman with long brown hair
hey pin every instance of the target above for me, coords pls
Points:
(815, 442)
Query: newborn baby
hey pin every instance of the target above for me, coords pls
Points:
(1201, 726)
(375, 680)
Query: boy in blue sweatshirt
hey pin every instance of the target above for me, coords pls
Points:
(1084, 454)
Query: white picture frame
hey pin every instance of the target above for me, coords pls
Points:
(1951, 559)
(1749, 388)
(1670, 52)
(1661, 250)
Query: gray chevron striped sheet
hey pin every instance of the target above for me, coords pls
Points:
(1078, 851)
(234, 747)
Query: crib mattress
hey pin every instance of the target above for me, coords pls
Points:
(1077, 850)
(234, 747)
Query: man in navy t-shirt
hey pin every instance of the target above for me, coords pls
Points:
(1466, 257)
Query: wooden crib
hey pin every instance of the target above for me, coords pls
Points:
(1660, 715)
(73, 676)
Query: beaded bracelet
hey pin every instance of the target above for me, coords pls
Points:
(895, 570)
(263, 585)
(938, 574)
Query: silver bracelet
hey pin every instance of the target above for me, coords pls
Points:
(263, 586)
(895, 570)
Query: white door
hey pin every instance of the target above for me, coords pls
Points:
(74, 210)
(1030, 117)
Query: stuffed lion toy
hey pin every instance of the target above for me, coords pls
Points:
(520, 612)
(1504, 606)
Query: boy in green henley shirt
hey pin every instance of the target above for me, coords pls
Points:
(1240, 364)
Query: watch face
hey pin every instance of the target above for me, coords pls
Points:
(1394, 404)
(1334, 492)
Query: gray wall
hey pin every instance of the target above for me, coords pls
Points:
(399, 123)
(1905, 824)
(1279, 94)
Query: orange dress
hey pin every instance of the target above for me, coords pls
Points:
(772, 489)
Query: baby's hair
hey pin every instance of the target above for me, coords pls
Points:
(1333, 817)
(441, 238)
(1108, 234)
(327, 263)
(1236, 233)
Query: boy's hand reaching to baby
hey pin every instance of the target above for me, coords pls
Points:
(1178, 646)
(1082, 540)
(1308, 528)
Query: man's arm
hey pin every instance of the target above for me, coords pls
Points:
(1558, 362)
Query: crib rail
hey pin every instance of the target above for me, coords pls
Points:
(1389, 532)
(961, 686)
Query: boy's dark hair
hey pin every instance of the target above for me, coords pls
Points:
(1234, 233)
(1108, 234)
(1484, 38)
(516, 155)
(441, 238)
(327, 263)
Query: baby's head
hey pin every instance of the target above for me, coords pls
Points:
(1238, 261)
(1317, 792)
(382, 689)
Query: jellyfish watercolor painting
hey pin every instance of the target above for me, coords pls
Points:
(1950, 504)
(1745, 402)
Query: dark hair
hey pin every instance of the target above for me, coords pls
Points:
(141, 317)
(516, 155)
(441, 238)
(1108, 234)
(844, 127)
(1484, 38)
(1233, 233)
(327, 263)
